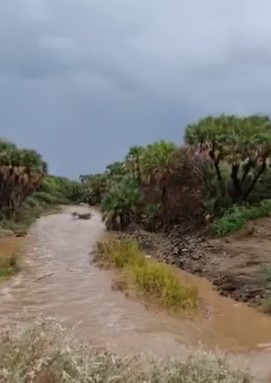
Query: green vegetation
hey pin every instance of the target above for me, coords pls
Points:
(21, 174)
(119, 254)
(243, 143)
(44, 352)
(119, 205)
(237, 216)
(26, 192)
(223, 173)
(143, 189)
(8, 265)
(148, 278)
(26, 188)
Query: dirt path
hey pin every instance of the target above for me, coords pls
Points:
(59, 280)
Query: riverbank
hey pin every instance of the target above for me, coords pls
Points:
(45, 352)
(25, 217)
(238, 265)
(12, 233)
(10, 251)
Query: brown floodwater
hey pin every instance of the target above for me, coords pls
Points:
(59, 280)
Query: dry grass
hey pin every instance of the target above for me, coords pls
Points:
(158, 281)
(147, 277)
(9, 256)
(118, 253)
(43, 352)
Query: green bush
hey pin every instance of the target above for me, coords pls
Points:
(48, 199)
(151, 218)
(62, 189)
(32, 202)
(120, 203)
(236, 217)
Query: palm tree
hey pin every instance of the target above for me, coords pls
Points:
(156, 161)
(32, 159)
(243, 143)
(94, 187)
(116, 169)
(134, 161)
(119, 205)
(21, 173)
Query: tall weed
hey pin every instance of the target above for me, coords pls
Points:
(145, 276)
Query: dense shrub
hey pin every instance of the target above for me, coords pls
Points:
(120, 203)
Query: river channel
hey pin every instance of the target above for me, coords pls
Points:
(59, 280)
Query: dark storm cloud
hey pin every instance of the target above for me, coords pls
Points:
(83, 80)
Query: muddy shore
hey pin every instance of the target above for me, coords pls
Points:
(237, 265)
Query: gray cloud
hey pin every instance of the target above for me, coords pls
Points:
(83, 80)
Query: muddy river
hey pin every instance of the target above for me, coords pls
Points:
(58, 279)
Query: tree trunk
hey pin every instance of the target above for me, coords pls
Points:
(164, 199)
(254, 181)
(133, 171)
(246, 171)
(220, 178)
(217, 169)
(138, 169)
(237, 190)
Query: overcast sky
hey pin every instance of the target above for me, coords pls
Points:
(83, 80)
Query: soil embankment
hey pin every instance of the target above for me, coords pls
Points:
(239, 265)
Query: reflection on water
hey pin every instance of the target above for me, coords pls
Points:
(59, 280)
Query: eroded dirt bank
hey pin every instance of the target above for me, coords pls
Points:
(59, 280)
(239, 265)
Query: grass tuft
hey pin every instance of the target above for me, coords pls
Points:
(117, 253)
(8, 266)
(44, 352)
(158, 280)
(147, 277)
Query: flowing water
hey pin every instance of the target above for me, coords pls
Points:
(59, 280)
